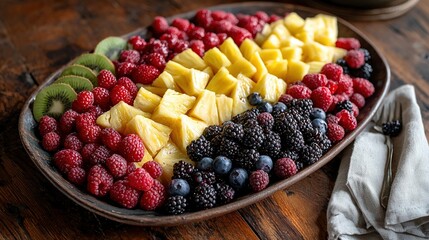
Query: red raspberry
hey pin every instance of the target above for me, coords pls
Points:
(333, 106)
(100, 155)
(322, 98)
(101, 97)
(170, 39)
(238, 34)
(84, 120)
(174, 31)
(333, 86)
(285, 168)
(347, 43)
(341, 97)
(222, 37)
(129, 85)
(47, 124)
(145, 74)
(111, 138)
(124, 195)
(89, 133)
(180, 46)
(331, 119)
(99, 181)
(73, 142)
(153, 168)
(358, 100)
(140, 179)
(230, 17)
(335, 132)
(251, 24)
(159, 188)
(274, 18)
(181, 23)
(258, 180)
(67, 159)
(137, 42)
(51, 141)
(299, 91)
(157, 46)
(203, 18)
(315, 80)
(345, 85)
(131, 167)
(355, 59)
(95, 110)
(332, 71)
(222, 26)
(346, 120)
(67, 121)
(106, 79)
(210, 40)
(197, 33)
(156, 60)
(130, 56)
(218, 15)
(87, 151)
(285, 98)
(159, 25)
(265, 120)
(151, 200)
(363, 87)
(117, 165)
(125, 69)
(83, 102)
(261, 15)
(120, 93)
(132, 148)
(355, 110)
(77, 176)
(198, 47)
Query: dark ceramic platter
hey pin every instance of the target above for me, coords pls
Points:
(42, 159)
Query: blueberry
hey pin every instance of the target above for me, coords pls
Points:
(238, 178)
(254, 98)
(317, 113)
(264, 163)
(179, 187)
(222, 165)
(205, 163)
(265, 107)
(320, 124)
(279, 107)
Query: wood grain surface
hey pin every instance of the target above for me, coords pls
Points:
(38, 37)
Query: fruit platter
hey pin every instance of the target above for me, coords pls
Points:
(203, 113)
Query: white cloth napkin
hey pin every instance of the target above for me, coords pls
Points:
(354, 210)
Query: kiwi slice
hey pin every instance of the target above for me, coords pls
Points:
(111, 47)
(96, 62)
(82, 71)
(53, 100)
(76, 82)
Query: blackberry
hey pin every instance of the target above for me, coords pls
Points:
(204, 197)
(279, 107)
(247, 158)
(249, 114)
(288, 154)
(299, 165)
(212, 131)
(346, 104)
(392, 128)
(215, 142)
(233, 131)
(204, 177)
(199, 148)
(285, 123)
(310, 154)
(293, 141)
(250, 123)
(228, 148)
(176, 205)
(266, 121)
(271, 145)
(363, 72)
(343, 64)
(319, 138)
(224, 193)
(311, 135)
(253, 137)
(325, 144)
(303, 106)
(366, 54)
(183, 170)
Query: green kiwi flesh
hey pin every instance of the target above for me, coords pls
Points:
(76, 82)
(53, 100)
(111, 47)
(96, 62)
(82, 71)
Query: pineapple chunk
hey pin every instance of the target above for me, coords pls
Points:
(167, 157)
(146, 101)
(216, 59)
(155, 90)
(305, 36)
(209, 71)
(172, 105)
(315, 67)
(246, 83)
(185, 130)
(154, 135)
(190, 59)
(239, 98)
(193, 82)
(205, 108)
(248, 47)
(296, 71)
(314, 51)
(271, 42)
(281, 32)
(260, 67)
(278, 68)
(165, 80)
(277, 23)
(329, 34)
(222, 82)
(176, 69)
(292, 53)
(261, 36)
(270, 54)
(146, 158)
(242, 66)
(292, 42)
(293, 22)
(224, 106)
(338, 53)
(119, 116)
(267, 88)
(230, 49)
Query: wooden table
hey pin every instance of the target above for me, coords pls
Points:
(38, 37)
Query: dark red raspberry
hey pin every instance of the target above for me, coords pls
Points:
(140, 179)
(346, 120)
(84, 120)
(238, 34)
(285, 98)
(51, 141)
(87, 151)
(124, 195)
(117, 165)
(151, 200)
(125, 69)
(355, 59)
(145, 74)
(331, 119)
(335, 132)
(355, 110)
(73, 142)
(332, 71)
(363, 87)
(230, 17)
(333, 106)
(137, 42)
(129, 85)
(315, 80)
(95, 110)
(130, 56)
(106, 79)
(222, 26)
(67, 159)
(265, 120)
(157, 46)
(47, 124)
(180, 46)
(358, 100)
(101, 97)
(347, 43)
(170, 39)
(203, 18)
(174, 31)
(332, 85)
(156, 59)
(299, 91)
(111, 138)
(83, 102)
(120, 93)
(153, 168)
(263, 16)
(197, 33)
(198, 47)
(251, 24)
(100, 155)
(99, 181)
(345, 85)
(210, 40)
(285, 168)
(132, 148)
(218, 15)
(274, 18)
(159, 25)
(222, 37)
(77, 176)
(181, 23)
(159, 188)
(322, 98)
(67, 121)
(258, 180)
(131, 167)
(89, 133)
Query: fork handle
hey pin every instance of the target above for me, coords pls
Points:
(387, 181)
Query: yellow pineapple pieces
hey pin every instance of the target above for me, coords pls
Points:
(176, 69)
(314, 51)
(242, 66)
(270, 54)
(292, 42)
(216, 59)
(194, 82)
(248, 47)
(172, 105)
(261, 70)
(278, 68)
(224, 106)
(146, 101)
(153, 134)
(155, 90)
(167, 157)
(146, 158)
(328, 35)
(291, 53)
(190, 59)
(305, 37)
(267, 87)
(222, 82)
(271, 42)
(315, 67)
(293, 22)
(239, 97)
(230, 49)
(246, 83)
(209, 71)
(296, 71)
(185, 130)
(165, 80)
(281, 32)
(205, 108)
(338, 53)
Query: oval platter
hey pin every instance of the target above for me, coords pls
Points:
(41, 158)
